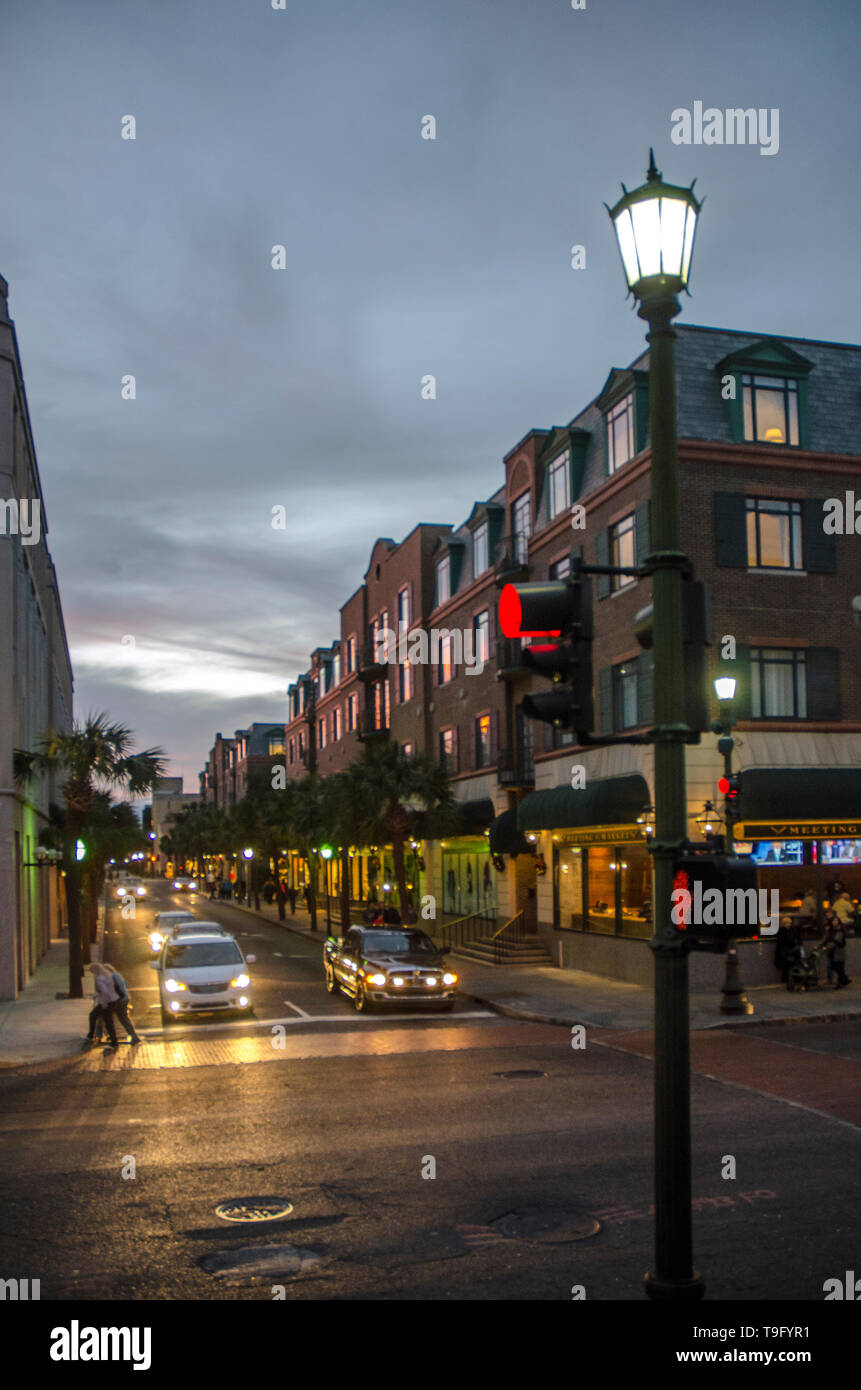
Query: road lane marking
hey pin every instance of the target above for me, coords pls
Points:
(300, 1012)
(312, 1018)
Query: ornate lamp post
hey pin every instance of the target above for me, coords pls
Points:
(655, 227)
(733, 998)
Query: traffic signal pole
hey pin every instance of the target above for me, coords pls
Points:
(673, 1277)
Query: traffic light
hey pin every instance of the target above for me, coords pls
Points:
(714, 900)
(560, 609)
(730, 790)
(697, 636)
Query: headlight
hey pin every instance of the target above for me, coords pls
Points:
(176, 885)
(241, 982)
(398, 981)
(156, 940)
(449, 979)
(243, 1002)
(192, 885)
(173, 985)
(430, 980)
(141, 892)
(377, 979)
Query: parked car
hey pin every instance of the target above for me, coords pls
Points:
(184, 883)
(131, 887)
(163, 923)
(203, 972)
(378, 965)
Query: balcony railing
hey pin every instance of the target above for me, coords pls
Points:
(369, 729)
(371, 664)
(515, 768)
(511, 558)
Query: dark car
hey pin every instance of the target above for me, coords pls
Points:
(385, 965)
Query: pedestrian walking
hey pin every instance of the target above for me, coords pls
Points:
(834, 945)
(291, 894)
(107, 996)
(210, 883)
(784, 948)
(121, 1008)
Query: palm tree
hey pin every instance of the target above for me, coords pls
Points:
(91, 757)
(309, 825)
(391, 791)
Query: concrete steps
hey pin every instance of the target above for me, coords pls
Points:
(485, 951)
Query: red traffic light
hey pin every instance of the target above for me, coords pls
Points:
(511, 616)
(723, 786)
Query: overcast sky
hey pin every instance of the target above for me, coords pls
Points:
(300, 387)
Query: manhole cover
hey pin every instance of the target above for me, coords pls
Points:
(547, 1225)
(254, 1209)
(511, 1075)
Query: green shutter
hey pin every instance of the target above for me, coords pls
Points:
(730, 530)
(823, 683)
(605, 699)
(819, 551)
(602, 557)
(642, 533)
(645, 688)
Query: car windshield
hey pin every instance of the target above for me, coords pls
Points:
(187, 929)
(397, 943)
(203, 953)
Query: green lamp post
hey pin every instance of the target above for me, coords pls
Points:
(655, 227)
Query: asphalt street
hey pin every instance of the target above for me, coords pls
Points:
(461, 1158)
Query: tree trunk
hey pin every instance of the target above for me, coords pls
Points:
(280, 893)
(400, 872)
(345, 892)
(73, 908)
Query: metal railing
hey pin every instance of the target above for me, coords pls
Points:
(464, 929)
(515, 767)
(511, 933)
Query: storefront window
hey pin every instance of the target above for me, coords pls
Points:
(569, 888)
(468, 882)
(603, 888)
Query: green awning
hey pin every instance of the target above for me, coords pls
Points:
(800, 793)
(608, 801)
(473, 817)
(505, 838)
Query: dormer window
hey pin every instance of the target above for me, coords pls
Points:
(559, 485)
(443, 580)
(770, 409)
(480, 550)
(620, 433)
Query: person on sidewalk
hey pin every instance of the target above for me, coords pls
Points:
(844, 910)
(835, 946)
(291, 894)
(107, 997)
(829, 922)
(785, 948)
(122, 1007)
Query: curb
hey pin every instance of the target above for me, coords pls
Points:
(509, 1011)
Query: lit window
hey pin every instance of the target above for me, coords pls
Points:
(276, 745)
(405, 682)
(770, 409)
(620, 434)
(480, 556)
(321, 733)
(336, 724)
(559, 485)
(351, 653)
(443, 580)
(448, 749)
(482, 740)
(778, 683)
(403, 610)
(408, 749)
(446, 659)
(773, 534)
(622, 551)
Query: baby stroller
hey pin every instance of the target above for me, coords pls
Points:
(803, 968)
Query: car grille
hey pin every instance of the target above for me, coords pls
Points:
(209, 989)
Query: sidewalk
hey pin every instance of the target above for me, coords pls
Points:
(545, 994)
(38, 1027)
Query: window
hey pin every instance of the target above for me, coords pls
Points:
(773, 534)
(336, 724)
(559, 488)
(321, 732)
(301, 746)
(778, 683)
(521, 526)
(276, 745)
(482, 740)
(381, 705)
(480, 554)
(352, 712)
(622, 551)
(620, 434)
(446, 659)
(405, 681)
(336, 669)
(625, 695)
(482, 637)
(403, 610)
(443, 580)
(408, 749)
(770, 409)
(323, 680)
(291, 752)
(561, 569)
(351, 654)
(448, 749)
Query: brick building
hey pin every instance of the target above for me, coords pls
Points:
(768, 433)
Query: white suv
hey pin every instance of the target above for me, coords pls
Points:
(203, 972)
(131, 888)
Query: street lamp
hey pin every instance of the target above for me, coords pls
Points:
(733, 998)
(655, 227)
(326, 852)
